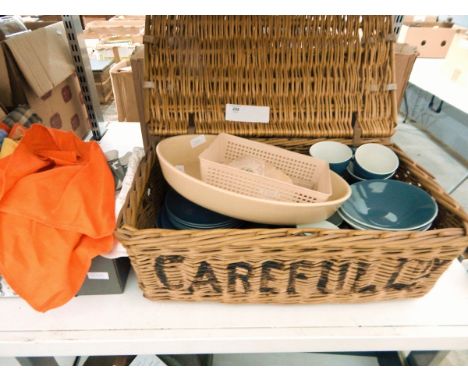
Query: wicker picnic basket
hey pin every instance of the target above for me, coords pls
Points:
(322, 77)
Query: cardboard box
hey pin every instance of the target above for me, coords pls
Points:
(132, 28)
(3, 113)
(6, 97)
(36, 22)
(431, 42)
(41, 73)
(53, 18)
(102, 79)
(426, 21)
(62, 107)
(124, 92)
(33, 25)
(10, 25)
(104, 90)
(407, 20)
(139, 18)
(138, 70)
(101, 69)
(86, 19)
(405, 56)
(455, 65)
(114, 51)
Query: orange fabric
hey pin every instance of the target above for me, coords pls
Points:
(56, 214)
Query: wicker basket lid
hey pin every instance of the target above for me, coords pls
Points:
(319, 75)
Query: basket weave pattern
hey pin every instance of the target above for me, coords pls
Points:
(295, 65)
(320, 75)
(283, 265)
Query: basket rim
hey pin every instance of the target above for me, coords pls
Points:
(366, 237)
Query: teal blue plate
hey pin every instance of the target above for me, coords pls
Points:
(355, 225)
(184, 214)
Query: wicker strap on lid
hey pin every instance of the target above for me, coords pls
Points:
(318, 74)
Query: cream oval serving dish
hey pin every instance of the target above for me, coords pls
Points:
(180, 165)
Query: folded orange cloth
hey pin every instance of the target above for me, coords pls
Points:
(56, 214)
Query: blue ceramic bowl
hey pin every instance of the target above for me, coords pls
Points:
(353, 178)
(336, 154)
(389, 204)
(351, 175)
(375, 161)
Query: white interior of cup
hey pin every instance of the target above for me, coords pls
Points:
(376, 158)
(330, 151)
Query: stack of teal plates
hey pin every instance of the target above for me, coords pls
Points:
(389, 205)
(180, 213)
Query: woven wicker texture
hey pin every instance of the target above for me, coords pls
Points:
(283, 265)
(318, 74)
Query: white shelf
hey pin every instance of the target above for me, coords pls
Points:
(130, 324)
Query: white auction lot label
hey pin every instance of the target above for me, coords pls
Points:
(197, 141)
(98, 275)
(247, 113)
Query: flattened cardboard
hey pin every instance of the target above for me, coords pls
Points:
(43, 56)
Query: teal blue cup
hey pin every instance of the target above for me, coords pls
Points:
(336, 154)
(375, 161)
